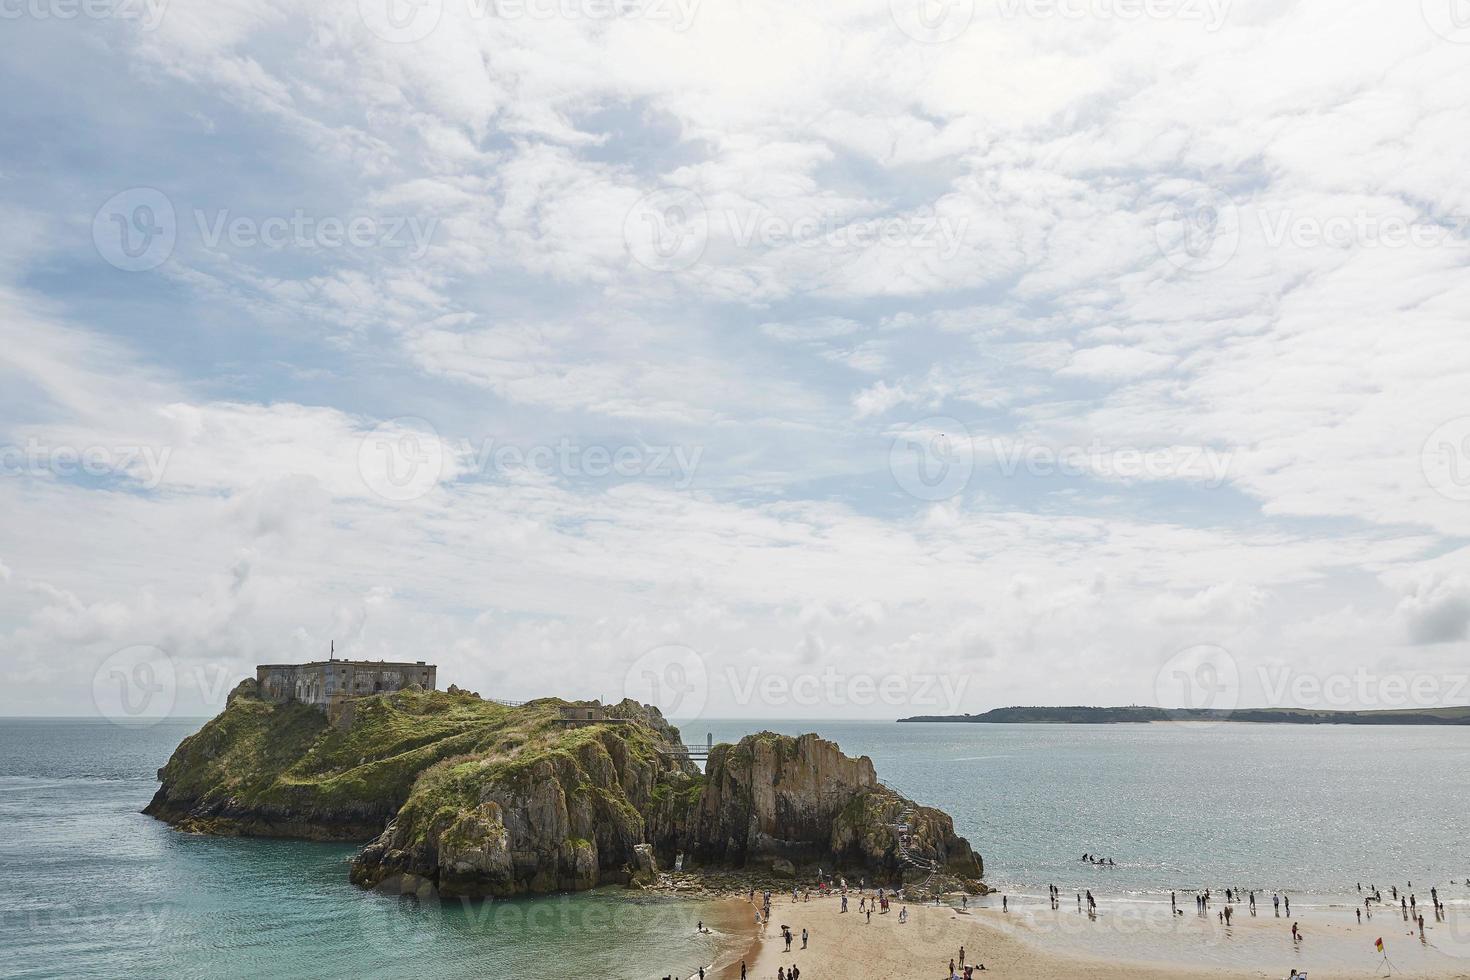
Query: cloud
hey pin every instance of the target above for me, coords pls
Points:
(1437, 610)
(869, 234)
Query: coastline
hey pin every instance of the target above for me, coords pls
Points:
(1126, 941)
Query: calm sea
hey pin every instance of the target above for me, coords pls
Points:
(94, 889)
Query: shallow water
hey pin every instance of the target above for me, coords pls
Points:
(95, 889)
(1308, 809)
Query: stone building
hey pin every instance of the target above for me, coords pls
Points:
(586, 713)
(327, 683)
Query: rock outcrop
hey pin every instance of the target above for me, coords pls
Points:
(771, 800)
(460, 796)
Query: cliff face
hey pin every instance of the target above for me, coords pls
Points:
(460, 796)
(568, 819)
(773, 798)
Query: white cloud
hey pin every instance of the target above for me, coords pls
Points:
(888, 232)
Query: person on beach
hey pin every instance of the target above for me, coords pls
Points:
(1296, 935)
(1287, 899)
(803, 937)
(742, 970)
(1360, 915)
(1276, 903)
(1004, 904)
(780, 973)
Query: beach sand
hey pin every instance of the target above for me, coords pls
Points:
(1140, 941)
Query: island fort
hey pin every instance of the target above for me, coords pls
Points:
(326, 684)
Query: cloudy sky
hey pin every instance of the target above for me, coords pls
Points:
(841, 359)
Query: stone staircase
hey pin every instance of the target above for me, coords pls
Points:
(906, 857)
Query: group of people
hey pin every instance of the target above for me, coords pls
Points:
(1101, 861)
(1408, 904)
(964, 971)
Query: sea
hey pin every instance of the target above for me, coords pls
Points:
(92, 888)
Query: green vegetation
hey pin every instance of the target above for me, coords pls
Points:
(419, 751)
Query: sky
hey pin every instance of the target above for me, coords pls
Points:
(854, 359)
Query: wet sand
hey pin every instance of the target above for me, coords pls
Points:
(1126, 941)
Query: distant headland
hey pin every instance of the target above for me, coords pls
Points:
(1135, 714)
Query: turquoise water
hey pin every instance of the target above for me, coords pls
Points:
(95, 889)
(1307, 809)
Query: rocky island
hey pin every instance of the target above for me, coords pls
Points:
(458, 796)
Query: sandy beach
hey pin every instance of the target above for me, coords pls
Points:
(1137, 941)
